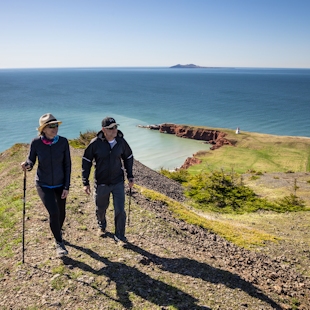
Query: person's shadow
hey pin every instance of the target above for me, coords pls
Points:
(130, 279)
(193, 268)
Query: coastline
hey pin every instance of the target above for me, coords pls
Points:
(259, 151)
(182, 153)
(256, 100)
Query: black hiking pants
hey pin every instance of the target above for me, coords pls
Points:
(56, 208)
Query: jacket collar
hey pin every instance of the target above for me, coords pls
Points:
(101, 136)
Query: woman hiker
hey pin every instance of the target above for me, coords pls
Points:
(53, 174)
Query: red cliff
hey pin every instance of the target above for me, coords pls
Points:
(214, 137)
(190, 161)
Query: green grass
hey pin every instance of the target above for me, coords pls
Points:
(308, 161)
(225, 193)
(11, 199)
(83, 140)
(238, 234)
(59, 270)
(259, 152)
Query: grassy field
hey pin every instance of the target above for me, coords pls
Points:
(257, 152)
(272, 166)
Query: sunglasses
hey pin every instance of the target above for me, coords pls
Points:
(114, 127)
(52, 125)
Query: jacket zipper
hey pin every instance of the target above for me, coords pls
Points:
(51, 153)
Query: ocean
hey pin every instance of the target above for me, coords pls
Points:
(271, 101)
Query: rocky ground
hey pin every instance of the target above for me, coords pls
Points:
(273, 274)
(166, 264)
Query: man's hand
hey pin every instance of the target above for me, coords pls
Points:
(64, 194)
(131, 183)
(87, 189)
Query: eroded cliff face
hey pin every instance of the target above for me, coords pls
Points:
(214, 137)
(190, 161)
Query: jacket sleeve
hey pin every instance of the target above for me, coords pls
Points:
(87, 162)
(32, 155)
(67, 166)
(127, 157)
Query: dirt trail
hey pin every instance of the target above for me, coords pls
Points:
(167, 264)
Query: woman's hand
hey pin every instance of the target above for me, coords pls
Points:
(25, 166)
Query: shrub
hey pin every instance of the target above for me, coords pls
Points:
(219, 192)
(291, 203)
(181, 175)
(83, 140)
(225, 193)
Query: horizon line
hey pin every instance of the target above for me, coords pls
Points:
(167, 67)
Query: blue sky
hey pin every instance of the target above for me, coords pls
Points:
(154, 33)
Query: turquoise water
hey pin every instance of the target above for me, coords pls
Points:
(273, 101)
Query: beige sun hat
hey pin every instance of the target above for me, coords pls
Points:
(47, 119)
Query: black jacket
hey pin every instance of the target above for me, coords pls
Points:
(54, 162)
(108, 162)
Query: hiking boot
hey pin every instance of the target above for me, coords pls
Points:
(120, 240)
(100, 232)
(61, 249)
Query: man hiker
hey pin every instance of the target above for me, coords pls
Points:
(112, 157)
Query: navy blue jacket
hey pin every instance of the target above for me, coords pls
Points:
(108, 161)
(54, 162)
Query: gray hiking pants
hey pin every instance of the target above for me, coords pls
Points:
(102, 200)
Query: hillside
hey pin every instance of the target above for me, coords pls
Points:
(167, 263)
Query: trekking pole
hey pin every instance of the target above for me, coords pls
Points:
(24, 213)
(129, 204)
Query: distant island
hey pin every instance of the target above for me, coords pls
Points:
(192, 66)
(186, 66)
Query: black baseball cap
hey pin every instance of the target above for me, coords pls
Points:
(109, 122)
